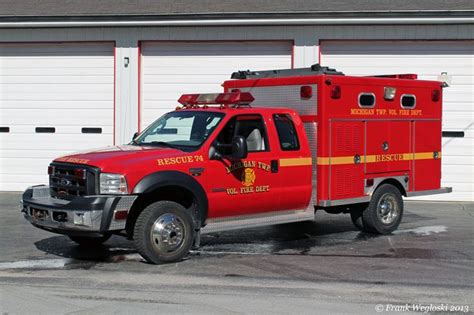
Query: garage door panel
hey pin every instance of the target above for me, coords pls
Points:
(56, 104)
(93, 64)
(428, 60)
(458, 160)
(25, 166)
(64, 86)
(20, 182)
(457, 120)
(171, 69)
(68, 90)
(84, 79)
(53, 96)
(36, 117)
(65, 142)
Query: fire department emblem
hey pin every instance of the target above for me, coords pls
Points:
(248, 177)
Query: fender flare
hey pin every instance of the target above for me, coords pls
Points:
(160, 179)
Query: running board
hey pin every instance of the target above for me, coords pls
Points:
(262, 219)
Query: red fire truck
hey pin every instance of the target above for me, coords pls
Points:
(273, 148)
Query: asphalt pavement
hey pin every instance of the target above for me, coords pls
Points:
(321, 267)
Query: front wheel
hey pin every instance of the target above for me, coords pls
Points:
(164, 232)
(385, 210)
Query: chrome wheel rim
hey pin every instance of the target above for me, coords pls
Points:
(167, 233)
(387, 209)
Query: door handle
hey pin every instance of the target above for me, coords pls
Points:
(274, 166)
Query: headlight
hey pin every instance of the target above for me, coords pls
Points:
(113, 184)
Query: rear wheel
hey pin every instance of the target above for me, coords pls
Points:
(164, 232)
(356, 217)
(90, 241)
(383, 213)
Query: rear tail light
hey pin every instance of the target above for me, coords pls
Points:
(50, 170)
(336, 92)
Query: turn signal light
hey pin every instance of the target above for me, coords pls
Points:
(121, 215)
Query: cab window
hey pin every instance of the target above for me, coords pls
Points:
(251, 127)
(286, 132)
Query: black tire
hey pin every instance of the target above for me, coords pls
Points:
(88, 241)
(168, 241)
(385, 210)
(356, 217)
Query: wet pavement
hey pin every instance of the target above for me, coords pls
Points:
(310, 267)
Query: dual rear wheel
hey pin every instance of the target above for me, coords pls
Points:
(383, 214)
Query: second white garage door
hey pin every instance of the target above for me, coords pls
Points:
(170, 69)
(428, 59)
(55, 98)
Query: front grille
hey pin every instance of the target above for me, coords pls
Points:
(64, 184)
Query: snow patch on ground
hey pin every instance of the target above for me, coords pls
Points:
(424, 230)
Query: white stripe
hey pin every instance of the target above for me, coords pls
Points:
(36, 264)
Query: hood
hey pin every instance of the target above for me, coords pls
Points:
(113, 156)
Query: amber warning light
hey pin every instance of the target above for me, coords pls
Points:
(233, 98)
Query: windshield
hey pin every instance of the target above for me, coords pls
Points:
(180, 129)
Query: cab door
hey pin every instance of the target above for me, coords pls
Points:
(247, 186)
(295, 171)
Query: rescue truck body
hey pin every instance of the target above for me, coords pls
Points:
(273, 148)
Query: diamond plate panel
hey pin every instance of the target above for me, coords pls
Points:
(284, 96)
(311, 134)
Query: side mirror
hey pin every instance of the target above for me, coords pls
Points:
(214, 153)
(135, 135)
(239, 148)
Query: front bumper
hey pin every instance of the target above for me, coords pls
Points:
(88, 215)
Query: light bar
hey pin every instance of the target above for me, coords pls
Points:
(216, 98)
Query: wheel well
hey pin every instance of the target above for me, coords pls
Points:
(395, 183)
(171, 193)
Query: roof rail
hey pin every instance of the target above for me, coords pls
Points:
(313, 70)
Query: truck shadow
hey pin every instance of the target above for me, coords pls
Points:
(113, 250)
(302, 238)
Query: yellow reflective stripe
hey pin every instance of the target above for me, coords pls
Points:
(296, 162)
(338, 160)
(425, 156)
(335, 160)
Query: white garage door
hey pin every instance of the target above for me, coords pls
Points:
(54, 99)
(171, 69)
(428, 59)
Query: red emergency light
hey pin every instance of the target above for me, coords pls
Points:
(237, 98)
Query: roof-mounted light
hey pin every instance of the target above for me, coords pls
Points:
(233, 98)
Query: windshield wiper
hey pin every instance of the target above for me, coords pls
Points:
(164, 144)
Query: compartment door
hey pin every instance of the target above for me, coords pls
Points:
(346, 160)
